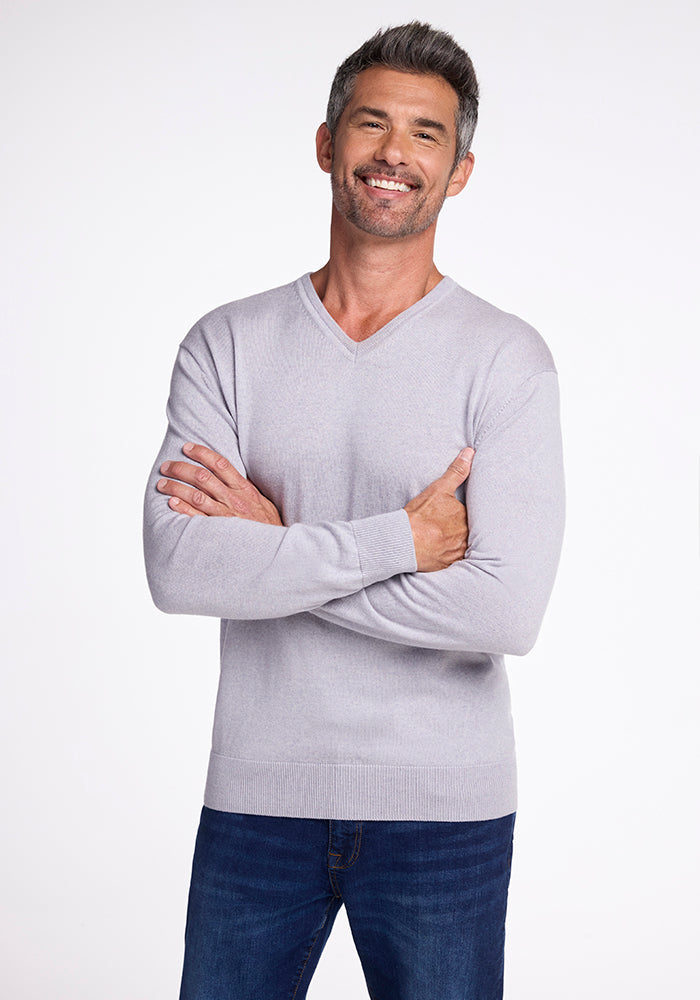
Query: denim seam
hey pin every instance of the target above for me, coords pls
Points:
(355, 851)
(334, 884)
(311, 948)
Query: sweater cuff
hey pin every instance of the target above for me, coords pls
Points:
(385, 546)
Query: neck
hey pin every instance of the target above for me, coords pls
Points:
(369, 280)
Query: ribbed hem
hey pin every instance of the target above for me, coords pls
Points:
(385, 545)
(361, 791)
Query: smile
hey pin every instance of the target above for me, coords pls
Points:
(387, 184)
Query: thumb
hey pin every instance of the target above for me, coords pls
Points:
(458, 470)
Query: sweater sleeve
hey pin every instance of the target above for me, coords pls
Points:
(235, 568)
(494, 599)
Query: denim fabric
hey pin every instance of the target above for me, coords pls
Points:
(426, 902)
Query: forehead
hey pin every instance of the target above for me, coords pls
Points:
(420, 95)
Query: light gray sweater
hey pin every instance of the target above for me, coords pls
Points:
(353, 687)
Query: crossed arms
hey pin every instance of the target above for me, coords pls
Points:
(215, 488)
(218, 547)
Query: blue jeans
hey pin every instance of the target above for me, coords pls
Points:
(426, 903)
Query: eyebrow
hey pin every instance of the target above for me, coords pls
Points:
(365, 110)
(378, 113)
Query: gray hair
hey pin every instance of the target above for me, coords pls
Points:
(412, 48)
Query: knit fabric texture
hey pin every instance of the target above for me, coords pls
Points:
(352, 686)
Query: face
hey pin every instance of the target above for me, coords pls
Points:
(391, 162)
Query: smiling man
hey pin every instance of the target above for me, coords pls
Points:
(362, 749)
(389, 108)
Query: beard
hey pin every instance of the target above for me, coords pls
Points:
(385, 218)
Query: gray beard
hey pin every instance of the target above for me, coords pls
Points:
(380, 222)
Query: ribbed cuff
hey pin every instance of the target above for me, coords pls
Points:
(385, 546)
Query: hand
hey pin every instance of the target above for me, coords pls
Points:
(439, 520)
(215, 489)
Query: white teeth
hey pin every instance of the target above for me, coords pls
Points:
(387, 185)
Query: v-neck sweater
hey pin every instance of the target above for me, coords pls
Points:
(351, 685)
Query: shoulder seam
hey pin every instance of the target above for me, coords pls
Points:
(509, 400)
(199, 366)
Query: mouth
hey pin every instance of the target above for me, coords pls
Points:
(387, 183)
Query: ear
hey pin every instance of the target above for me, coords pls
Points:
(324, 148)
(460, 175)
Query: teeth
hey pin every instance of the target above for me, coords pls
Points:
(387, 185)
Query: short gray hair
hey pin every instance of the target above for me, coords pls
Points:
(412, 48)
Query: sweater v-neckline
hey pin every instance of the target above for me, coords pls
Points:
(355, 348)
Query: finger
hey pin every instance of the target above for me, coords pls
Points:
(196, 499)
(216, 463)
(180, 507)
(197, 476)
(457, 471)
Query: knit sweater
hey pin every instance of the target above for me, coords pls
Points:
(353, 686)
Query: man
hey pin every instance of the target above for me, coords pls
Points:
(362, 748)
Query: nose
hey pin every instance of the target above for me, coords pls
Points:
(393, 148)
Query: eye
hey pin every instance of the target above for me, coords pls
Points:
(426, 136)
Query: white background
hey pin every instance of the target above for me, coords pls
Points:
(159, 161)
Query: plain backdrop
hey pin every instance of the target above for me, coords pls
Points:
(158, 160)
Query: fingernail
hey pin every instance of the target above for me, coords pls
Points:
(174, 501)
(466, 454)
(161, 483)
(187, 448)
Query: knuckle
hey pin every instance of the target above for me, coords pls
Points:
(202, 475)
(198, 498)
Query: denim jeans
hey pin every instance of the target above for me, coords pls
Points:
(426, 903)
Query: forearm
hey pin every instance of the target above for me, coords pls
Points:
(495, 598)
(235, 568)
(471, 606)
(231, 567)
